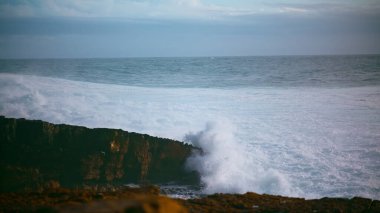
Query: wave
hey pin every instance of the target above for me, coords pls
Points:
(309, 142)
(225, 165)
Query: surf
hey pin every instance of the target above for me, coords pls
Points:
(309, 142)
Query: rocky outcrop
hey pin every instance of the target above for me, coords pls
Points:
(149, 199)
(119, 199)
(35, 153)
(252, 202)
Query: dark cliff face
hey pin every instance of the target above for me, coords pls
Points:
(33, 153)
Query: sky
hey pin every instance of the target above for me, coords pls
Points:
(169, 28)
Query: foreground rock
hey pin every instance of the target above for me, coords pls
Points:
(252, 202)
(148, 199)
(91, 200)
(36, 155)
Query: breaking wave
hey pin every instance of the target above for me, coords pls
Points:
(226, 166)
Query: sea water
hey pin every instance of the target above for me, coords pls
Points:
(290, 125)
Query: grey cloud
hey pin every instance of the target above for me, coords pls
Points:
(253, 34)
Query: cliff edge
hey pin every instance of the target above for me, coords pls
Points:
(35, 153)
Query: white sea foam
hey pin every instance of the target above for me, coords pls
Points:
(309, 142)
(226, 166)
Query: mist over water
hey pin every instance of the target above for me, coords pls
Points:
(298, 126)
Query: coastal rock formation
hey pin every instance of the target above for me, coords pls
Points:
(148, 199)
(62, 168)
(35, 154)
(252, 202)
(112, 199)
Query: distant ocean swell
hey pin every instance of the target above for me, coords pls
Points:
(303, 141)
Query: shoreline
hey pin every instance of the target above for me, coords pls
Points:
(150, 199)
(65, 168)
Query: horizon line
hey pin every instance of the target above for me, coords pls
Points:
(219, 56)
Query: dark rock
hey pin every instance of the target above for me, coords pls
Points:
(251, 202)
(360, 204)
(35, 154)
(123, 199)
(148, 199)
(374, 207)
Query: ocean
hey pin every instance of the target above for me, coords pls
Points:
(305, 126)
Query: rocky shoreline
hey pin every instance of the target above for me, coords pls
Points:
(47, 167)
(149, 199)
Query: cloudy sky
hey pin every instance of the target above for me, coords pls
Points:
(145, 28)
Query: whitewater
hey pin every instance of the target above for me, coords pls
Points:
(264, 125)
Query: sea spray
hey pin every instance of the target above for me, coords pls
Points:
(225, 165)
